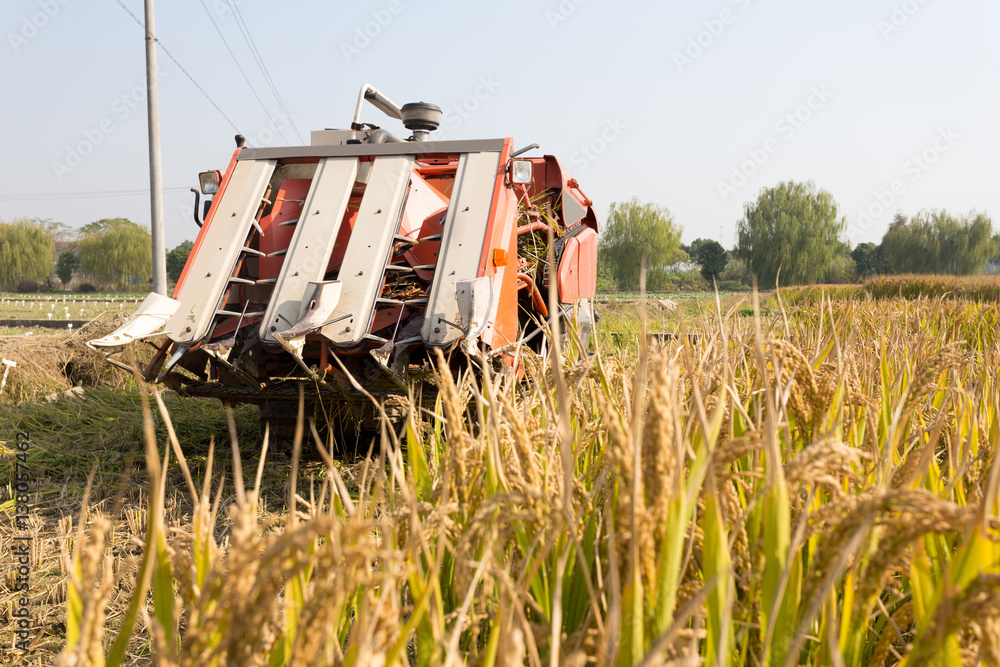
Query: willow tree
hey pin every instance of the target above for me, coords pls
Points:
(637, 232)
(116, 252)
(939, 242)
(177, 258)
(791, 232)
(25, 253)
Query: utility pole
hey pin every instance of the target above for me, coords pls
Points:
(155, 167)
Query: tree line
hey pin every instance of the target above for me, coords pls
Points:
(792, 234)
(113, 252)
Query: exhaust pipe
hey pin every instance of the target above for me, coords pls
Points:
(381, 136)
(378, 100)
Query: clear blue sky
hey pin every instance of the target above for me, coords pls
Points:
(693, 105)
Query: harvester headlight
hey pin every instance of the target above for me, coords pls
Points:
(209, 181)
(521, 172)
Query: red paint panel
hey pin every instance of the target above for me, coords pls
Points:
(427, 252)
(443, 184)
(588, 263)
(578, 267)
(387, 317)
(287, 206)
(505, 326)
(228, 325)
(499, 188)
(344, 235)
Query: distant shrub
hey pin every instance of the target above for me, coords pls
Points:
(979, 288)
(808, 295)
(27, 286)
(86, 288)
(730, 286)
(842, 271)
(737, 271)
(686, 281)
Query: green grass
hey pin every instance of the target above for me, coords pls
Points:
(105, 428)
(619, 326)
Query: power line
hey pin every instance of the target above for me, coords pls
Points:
(240, 67)
(40, 196)
(179, 66)
(245, 29)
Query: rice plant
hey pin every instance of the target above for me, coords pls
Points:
(816, 488)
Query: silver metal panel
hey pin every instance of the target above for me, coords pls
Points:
(152, 314)
(330, 137)
(357, 150)
(368, 249)
(572, 211)
(211, 267)
(462, 244)
(310, 248)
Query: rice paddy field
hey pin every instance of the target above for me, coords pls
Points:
(804, 481)
(66, 306)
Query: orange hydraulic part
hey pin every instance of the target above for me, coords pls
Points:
(536, 296)
(533, 227)
(208, 220)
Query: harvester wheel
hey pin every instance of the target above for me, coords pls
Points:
(351, 432)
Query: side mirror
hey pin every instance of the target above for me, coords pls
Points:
(197, 204)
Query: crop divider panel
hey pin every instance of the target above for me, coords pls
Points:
(369, 249)
(463, 239)
(308, 252)
(220, 251)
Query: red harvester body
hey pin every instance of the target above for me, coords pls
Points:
(357, 254)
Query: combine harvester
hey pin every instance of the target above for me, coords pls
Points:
(356, 255)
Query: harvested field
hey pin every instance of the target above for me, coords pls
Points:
(817, 486)
(54, 361)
